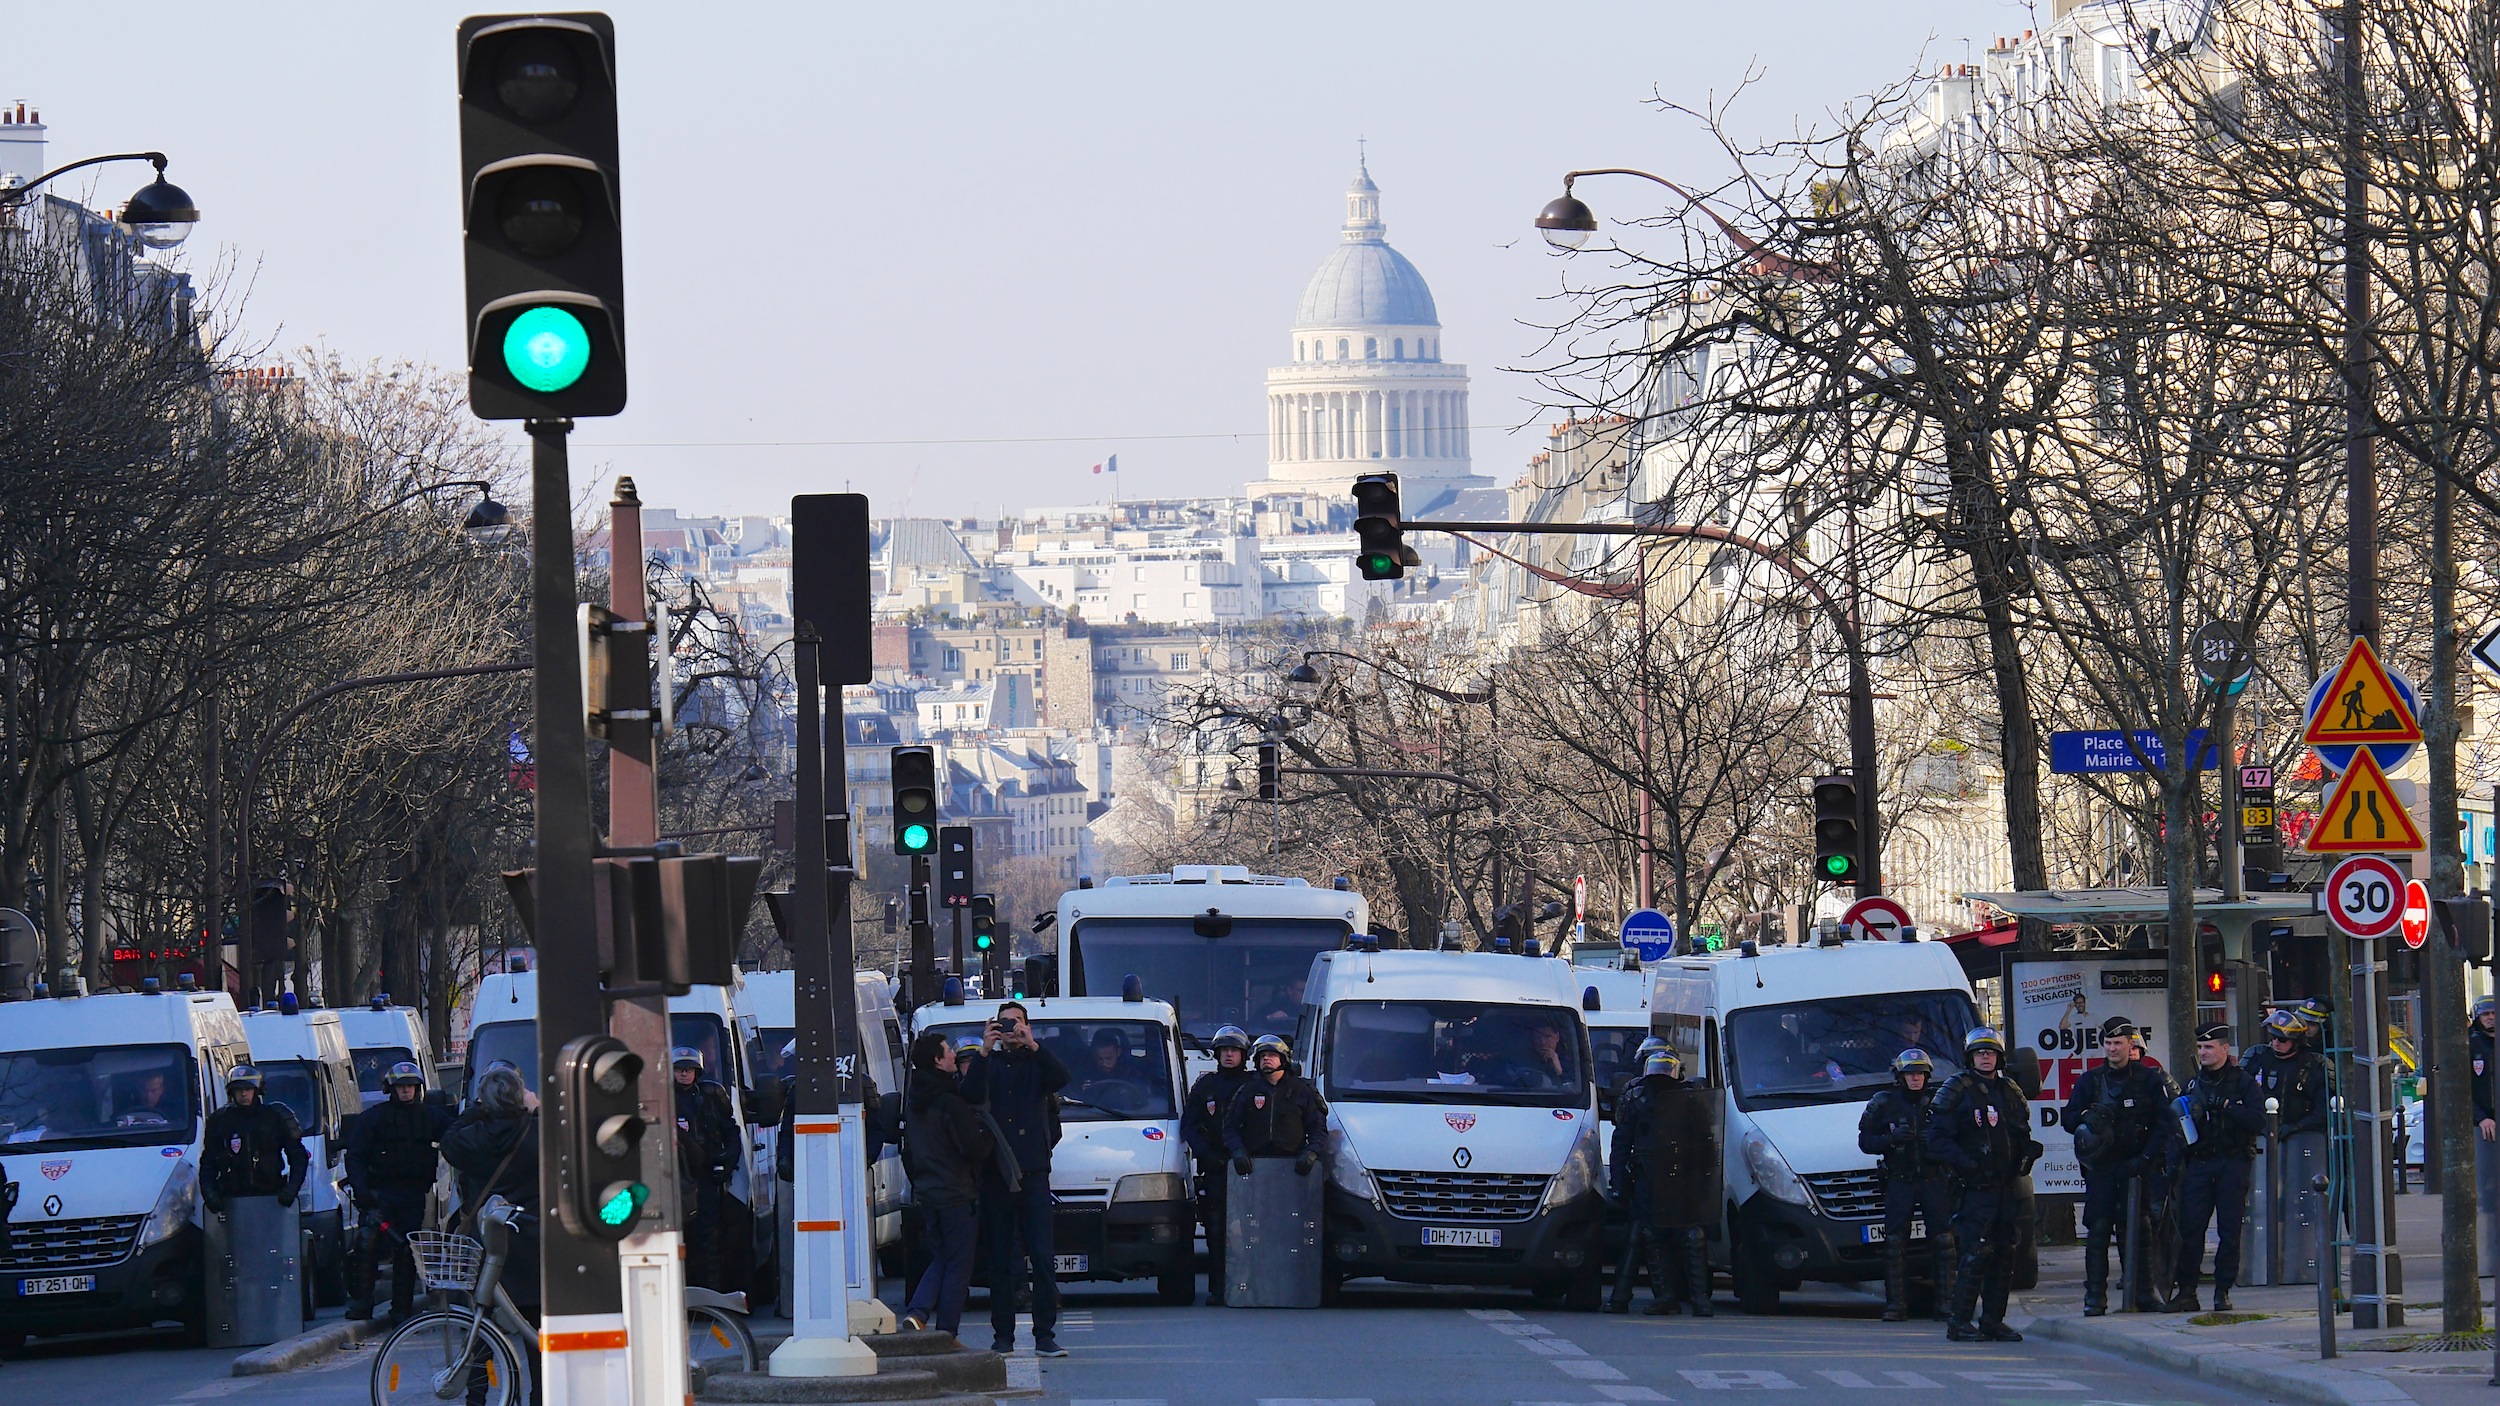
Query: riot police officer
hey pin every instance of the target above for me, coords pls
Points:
(1660, 1169)
(707, 1154)
(1277, 1112)
(2119, 1114)
(1979, 1127)
(1625, 1194)
(2223, 1112)
(2479, 1042)
(252, 1147)
(1202, 1128)
(1893, 1129)
(2291, 1074)
(391, 1154)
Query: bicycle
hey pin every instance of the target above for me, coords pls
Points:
(460, 1349)
(717, 1339)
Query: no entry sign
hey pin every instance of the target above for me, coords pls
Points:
(2365, 896)
(2415, 925)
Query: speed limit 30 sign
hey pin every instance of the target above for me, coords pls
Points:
(2365, 896)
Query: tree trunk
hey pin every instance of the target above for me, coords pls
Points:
(2178, 848)
(2443, 969)
(2018, 740)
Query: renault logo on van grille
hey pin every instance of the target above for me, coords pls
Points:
(1462, 1157)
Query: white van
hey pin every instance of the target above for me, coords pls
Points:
(1464, 1115)
(1798, 1039)
(504, 1029)
(768, 1009)
(1120, 1173)
(381, 1035)
(102, 1102)
(303, 1063)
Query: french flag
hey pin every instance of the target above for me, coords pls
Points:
(1108, 466)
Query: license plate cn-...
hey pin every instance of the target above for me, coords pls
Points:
(57, 1284)
(1463, 1235)
(1874, 1234)
(1071, 1264)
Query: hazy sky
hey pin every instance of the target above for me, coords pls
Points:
(1060, 231)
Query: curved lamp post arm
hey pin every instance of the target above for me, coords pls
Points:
(1446, 695)
(19, 195)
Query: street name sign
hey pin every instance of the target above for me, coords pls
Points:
(2364, 897)
(2099, 750)
(1876, 919)
(2364, 815)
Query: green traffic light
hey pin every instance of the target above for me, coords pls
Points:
(623, 1203)
(984, 942)
(1378, 563)
(1837, 866)
(546, 349)
(915, 837)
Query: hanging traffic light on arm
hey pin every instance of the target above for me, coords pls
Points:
(1380, 542)
(1836, 840)
(915, 800)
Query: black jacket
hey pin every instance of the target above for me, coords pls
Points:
(1979, 1126)
(392, 1148)
(1202, 1122)
(1664, 1160)
(1282, 1119)
(946, 1143)
(2479, 1047)
(1893, 1130)
(2228, 1111)
(707, 1133)
(475, 1146)
(2298, 1084)
(1021, 1088)
(255, 1151)
(2124, 1118)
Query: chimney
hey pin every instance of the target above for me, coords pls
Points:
(22, 145)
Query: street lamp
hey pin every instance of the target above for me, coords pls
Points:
(1566, 222)
(159, 213)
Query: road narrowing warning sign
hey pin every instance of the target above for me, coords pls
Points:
(2363, 815)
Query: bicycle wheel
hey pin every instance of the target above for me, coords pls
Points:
(719, 1340)
(419, 1364)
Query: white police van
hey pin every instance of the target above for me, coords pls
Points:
(1463, 1116)
(767, 1005)
(380, 1035)
(1797, 1039)
(1120, 1173)
(102, 1102)
(303, 1062)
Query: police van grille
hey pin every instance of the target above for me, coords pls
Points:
(1848, 1195)
(1461, 1196)
(71, 1244)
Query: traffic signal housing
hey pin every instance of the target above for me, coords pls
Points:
(1837, 855)
(1380, 540)
(915, 800)
(603, 1188)
(954, 867)
(1271, 772)
(984, 921)
(540, 216)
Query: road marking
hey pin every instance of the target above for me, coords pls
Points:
(1315, 1401)
(1737, 1380)
(1900, 1380)
(1552, 1347)
(1587, 1369)
(2023, 1381)
(1632, 1393)
(1117, 1401)
(1524, 1330)
(213, 1390)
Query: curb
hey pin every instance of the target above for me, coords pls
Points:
(2247, 1367)
(294, 1352)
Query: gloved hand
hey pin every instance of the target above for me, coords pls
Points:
(366, 1201)
(1241, 1166)
(1303, 1164)
(216, 1203)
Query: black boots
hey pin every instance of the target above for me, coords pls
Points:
(1994, 1291)
(1948, 1265)
(1662, 1249)
(1896, 1283)
(2222, 1298)
(1697, 1270)
(1619, 1298)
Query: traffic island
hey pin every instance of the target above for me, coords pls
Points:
(911, 1369)
(2148, 1338)
(308, 1346)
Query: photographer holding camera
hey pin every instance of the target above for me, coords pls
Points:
(1019, 1082)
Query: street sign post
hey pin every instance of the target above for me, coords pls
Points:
(2415, 924)
(1650, 934)
(1876, 919)
(2364, 897)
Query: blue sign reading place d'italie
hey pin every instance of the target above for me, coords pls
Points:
(2074, 753)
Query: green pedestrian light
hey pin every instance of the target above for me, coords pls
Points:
(546, 349)
(622, 1203)
(915, 839)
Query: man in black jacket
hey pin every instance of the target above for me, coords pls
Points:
(2479, 1041)
(947, 1147)
(1202, 1129)
(1893, 1129)
(251, 1147)
(392, 1150)
(707, 1157)
(1278, 1113)
(1660, 1170)
(1979, 1127)
(1019, 1082)
(2227, 1112)
(2119, 1114)
(492, 1147)
(2293, 1075)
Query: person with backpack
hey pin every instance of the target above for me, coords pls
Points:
(1664, 1149)
(947, 1146)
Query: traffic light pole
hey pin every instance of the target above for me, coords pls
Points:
(924, 977)
(830, 1230)
(582, 1335)
(959, 940)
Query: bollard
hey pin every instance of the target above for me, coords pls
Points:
(2326, 1294)
(2273, 1192)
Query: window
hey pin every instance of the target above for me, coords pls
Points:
(1297, 351)
(1341, 349)
(1398, 349)
(1371, 349)
(1180, 659)
(1841, 1049)
(1467, 1051)
(1189, 600)
(954, 660)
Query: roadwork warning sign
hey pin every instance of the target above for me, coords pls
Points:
(2361, 704)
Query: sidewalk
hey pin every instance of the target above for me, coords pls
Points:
(2272, 1350)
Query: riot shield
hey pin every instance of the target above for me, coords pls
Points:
(255, 1273)
(1272, 1238)
(2304, 1228)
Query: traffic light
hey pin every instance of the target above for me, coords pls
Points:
(543, 244)
(1836, 839)
(2466, 923)
(954, 868)
(604, 1193)
(2213, 981)
(915, 800)
(1380, 543)
(984, 921)
(1271, 773)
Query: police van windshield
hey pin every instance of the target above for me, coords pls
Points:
(1611, 1048)
(515, 1042)
(95, 1096)
(1117, 1069)
(1456, 1052)
(1251, 976)
(1842, 1048)
(373, 1065)
(764, 1051)
(295, 1083)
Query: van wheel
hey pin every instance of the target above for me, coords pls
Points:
(1176, 1288)
(1757, 1284)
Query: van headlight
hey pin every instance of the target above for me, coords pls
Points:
(1580, 1171)
(1771, 1171)
(1346, 1169)
(176, 1206)
(1151, 1186)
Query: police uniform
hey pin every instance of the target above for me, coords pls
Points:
(2297, 1082)
(1893, 1130)
(1202, 1129)
(251, 1150)
(2480, 1047)
(1282, 1118)
(1660, 1168)
(1979, 1127)
(2227, 1112)
(392, 1150)
(707, 1155)
(2119, 1119)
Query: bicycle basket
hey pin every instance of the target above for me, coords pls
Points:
(446, 1261)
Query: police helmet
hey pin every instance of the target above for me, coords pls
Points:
(1649, 1047)
(1664, 1060)
(1912, 1061)
(244, 1076)
(684, 1057)
(2282, 1025)
(404, 1072)
(1282, 1047)
(1982, 1038)
(1230, 1037)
